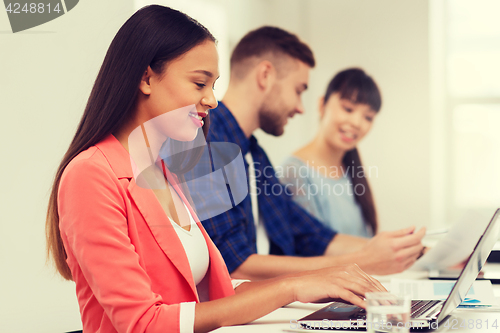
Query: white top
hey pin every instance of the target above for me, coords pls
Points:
(195, 247)
(196, 250)
(197, 253)
(262, 239)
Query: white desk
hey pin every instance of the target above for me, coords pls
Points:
(279, 321)
(282, 320)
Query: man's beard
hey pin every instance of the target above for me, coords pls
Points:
(271, 122)
(271, 113)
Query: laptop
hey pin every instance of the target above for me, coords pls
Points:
(425, 314)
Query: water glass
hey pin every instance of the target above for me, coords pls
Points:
(387, 312)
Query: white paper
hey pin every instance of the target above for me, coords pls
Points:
(456, 245)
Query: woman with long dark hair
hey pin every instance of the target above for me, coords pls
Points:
(119, 223)
(326, 176)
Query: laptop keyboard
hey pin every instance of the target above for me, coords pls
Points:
(336, 305)
(419, 307)
(339, 305)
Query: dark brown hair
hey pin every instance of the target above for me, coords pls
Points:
(153, 36)
(271, 40)
(355, 85)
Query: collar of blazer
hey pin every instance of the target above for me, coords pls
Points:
(154, 215)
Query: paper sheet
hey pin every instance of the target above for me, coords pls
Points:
(456, 245)
(480, 294)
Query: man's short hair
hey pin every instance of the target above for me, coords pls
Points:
(273, 41)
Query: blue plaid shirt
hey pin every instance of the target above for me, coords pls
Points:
(291, 230)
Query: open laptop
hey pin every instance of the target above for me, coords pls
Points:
(424, 314)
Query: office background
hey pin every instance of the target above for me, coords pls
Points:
(434, 144)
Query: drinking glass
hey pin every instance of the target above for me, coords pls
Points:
(387, 312)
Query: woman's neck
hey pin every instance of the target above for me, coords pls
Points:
(319, 153)
(122, 137)
(133, 132)
(144, 149)
(123, 133)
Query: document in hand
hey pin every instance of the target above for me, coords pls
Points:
(456, 245)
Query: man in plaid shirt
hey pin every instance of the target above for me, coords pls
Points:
(267, 234)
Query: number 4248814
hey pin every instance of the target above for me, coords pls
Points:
(33, 8)
(471, 324)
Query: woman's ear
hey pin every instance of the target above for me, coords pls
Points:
(145, 85)
(321, 107)
(265, 75)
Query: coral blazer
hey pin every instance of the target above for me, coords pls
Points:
(129, 266)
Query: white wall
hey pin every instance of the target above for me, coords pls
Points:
(389, 39)
(47, 73)
(46, 76)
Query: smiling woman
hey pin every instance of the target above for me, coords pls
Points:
(138, 254)
(326, 176)
(186, 80)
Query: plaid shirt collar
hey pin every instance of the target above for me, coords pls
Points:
(231, 126)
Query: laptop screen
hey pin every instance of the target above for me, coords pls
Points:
(473, 266)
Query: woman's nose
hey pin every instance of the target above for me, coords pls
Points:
(209, 100)
(355, 119)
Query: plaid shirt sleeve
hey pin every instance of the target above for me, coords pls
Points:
(231, 232)
(229, 227)
(289, 226)
(311, 236)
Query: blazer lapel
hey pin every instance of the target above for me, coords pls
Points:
(149, 207)
(162, 230)
(220, 280)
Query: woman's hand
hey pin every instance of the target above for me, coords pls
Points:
(255, 299)
(393, 252)
(348, 282)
